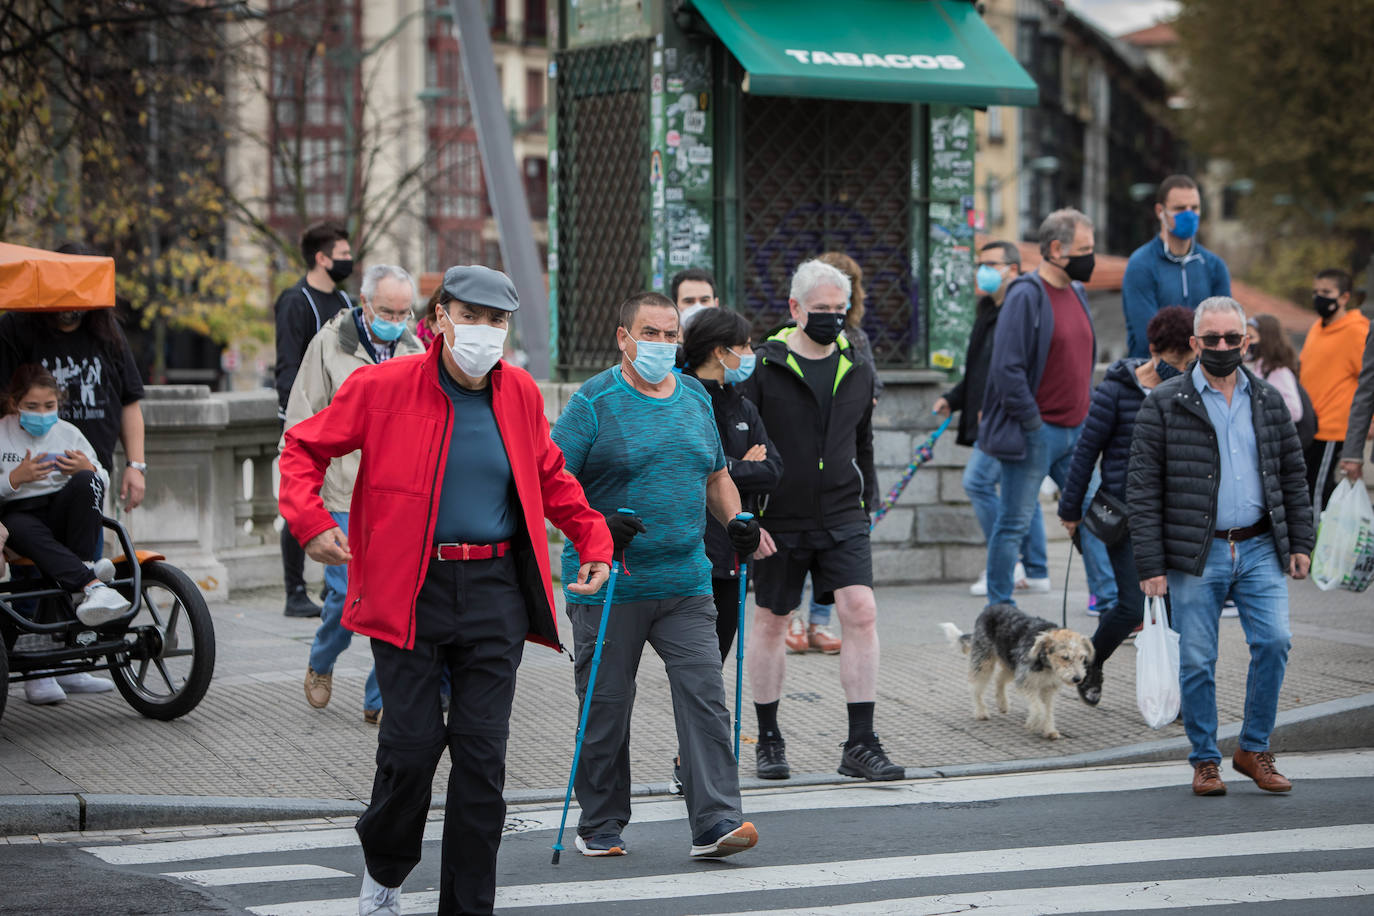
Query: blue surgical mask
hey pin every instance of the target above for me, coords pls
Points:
(37, 424)
(740, 372)
(386, 330)
(1185, 224)
(654, 359)
(989, 279)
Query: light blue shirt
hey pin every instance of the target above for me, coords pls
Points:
(1240, 496)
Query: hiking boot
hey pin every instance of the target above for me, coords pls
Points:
(867, 759)
(797, 643)
(725, 839)
(318, 687)
(298, 604)
(378, 900)
(1207, 778)
(1091, 687)
(770, 759)
(601, 844)
(1259, 766)
(102, 605)
(823, 640)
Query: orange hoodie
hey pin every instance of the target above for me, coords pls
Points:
(1331, 370)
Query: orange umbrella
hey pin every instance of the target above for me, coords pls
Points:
(34, 280)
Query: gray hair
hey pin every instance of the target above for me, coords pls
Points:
(1060, 226)
(377, 272)
(814, 274)
(1216, 304)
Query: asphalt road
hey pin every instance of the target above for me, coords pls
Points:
(1111, 840)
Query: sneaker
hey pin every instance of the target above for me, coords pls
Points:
(869, 761)
(797, 642)
(770, 759)
(298, 604)
(602, 844)
(1091, 687)
(675, 782)
(102, 605)
(318, 687)
(84, 682)
(1018, 577)
(980, 588)
(822, 639)
(103, 569)
(725, 839)
(1093, 610)
(1229, 609)
(44, 691)
(378, 900)
(372, 716)
(1036, 585)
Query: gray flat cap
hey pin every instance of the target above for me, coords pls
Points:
(478, 285)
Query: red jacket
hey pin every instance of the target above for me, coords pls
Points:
(400, 417)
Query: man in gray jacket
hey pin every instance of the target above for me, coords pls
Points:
(1357, 428)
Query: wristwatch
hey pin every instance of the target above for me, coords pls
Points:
(140, 466)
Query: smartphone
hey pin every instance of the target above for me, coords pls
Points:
(49, 456)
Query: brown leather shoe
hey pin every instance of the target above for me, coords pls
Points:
(372, 716)
(318, 688)
(797, 642)
(1259, 766)
(1207, 778)
(822, 640)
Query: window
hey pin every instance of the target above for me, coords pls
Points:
(534, 100)
(994, 121)
(454, 195)
(995, 211)
(536, 170)
(536, 21)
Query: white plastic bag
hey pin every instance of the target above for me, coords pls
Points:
(1344, 555)
(1156, 667)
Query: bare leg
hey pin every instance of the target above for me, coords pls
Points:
(859, 653)
(766, 655)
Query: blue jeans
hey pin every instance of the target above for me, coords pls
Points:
(1049, 449)
(982, 474)
(331, 638)
(1096, 561)
(1252, 577)
(818, 614)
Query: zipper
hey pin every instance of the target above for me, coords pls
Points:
(859, 471)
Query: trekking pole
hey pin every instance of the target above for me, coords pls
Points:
(923, 453)
(587, 699)
(739, 636)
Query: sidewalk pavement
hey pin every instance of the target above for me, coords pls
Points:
(253, 749)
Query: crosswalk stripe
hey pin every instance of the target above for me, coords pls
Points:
(715, 881)
(260, 874)
(528, 818)
(1178, 893)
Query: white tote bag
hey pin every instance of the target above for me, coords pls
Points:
(1156, 667)
(1344, 555)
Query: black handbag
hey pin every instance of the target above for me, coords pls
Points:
(1106, 518)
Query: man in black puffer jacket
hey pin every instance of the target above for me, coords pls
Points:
(1218, 503)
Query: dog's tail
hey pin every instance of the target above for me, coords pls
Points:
(957, 637)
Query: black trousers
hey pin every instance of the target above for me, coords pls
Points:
(56, 530)
(1322, 459)
(292, 557)
(1119, 621)
(726, 595)
(471, 621)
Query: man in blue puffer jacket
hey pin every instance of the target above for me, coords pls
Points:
(1172, 268)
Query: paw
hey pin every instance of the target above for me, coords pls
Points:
(1002, 706)
(980, 714)
(1052, 735)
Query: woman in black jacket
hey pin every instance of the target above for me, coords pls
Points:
(718, 355)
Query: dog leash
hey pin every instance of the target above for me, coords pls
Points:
(1064, 608)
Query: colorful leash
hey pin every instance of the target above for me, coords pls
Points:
(923, 453)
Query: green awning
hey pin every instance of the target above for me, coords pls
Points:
(870, 50)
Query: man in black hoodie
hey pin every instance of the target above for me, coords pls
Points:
(815, 395)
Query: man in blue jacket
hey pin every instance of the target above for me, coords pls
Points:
(1173, 268)
(1039, 384)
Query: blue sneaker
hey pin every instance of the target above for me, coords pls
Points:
(602, 844)
(1093, 610)
(728, 837)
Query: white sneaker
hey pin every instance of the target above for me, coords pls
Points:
(377, 900)
(84, 682)
(43, 691)
(103, 569)
(1018, 576)
(102, 605)
(980, 588)
(1037, 585)
(1229, 609)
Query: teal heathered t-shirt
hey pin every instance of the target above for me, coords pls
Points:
(652, 455)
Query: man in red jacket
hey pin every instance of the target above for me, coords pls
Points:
(448, 570)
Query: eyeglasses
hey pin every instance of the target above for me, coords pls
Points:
(1210, 341)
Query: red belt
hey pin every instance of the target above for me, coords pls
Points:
(470, 551)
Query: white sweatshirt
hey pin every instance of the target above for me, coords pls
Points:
(15, 440)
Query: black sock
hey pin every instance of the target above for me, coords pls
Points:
(767, 714)
(860, 723)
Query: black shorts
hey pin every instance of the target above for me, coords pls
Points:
(833, 560)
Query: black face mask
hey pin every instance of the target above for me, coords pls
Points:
(1221, 363)
(65, 319)
(1080, 267)
(1325, 305)
(341, 269)
(824, 327)
(1252, 352)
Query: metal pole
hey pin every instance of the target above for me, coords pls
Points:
(505, 191)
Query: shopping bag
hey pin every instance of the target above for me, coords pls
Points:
(1344, 555)
(1156, 667)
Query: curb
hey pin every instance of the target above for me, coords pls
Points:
(1334, 725)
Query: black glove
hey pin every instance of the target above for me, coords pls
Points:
(744, 535)
(623, 529)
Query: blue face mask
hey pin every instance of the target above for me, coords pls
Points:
(654, 359)
(989, 279)
(742, 371)
(1185, 224)
(386, 330)
(37, 424)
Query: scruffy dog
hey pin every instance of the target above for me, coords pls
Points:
(1031, 651)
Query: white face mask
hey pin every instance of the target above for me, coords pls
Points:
(476, 347)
